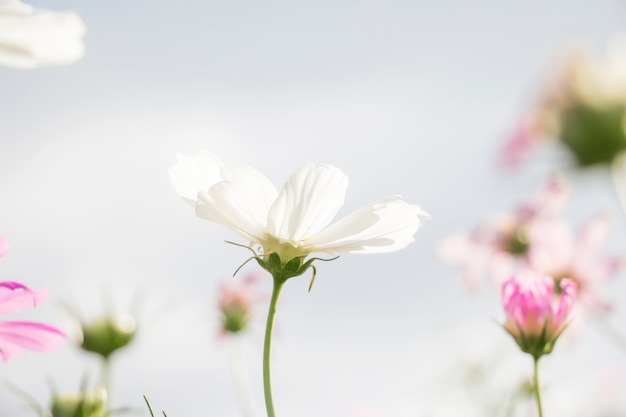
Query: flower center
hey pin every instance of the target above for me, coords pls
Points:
(285, 250)
(516, 243)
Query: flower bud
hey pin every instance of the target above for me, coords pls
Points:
(594, 135)
(86, 404)
(536, 317)
(236, 303)
(107, 335)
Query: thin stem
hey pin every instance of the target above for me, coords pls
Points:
(267, 386)
(536, 386)
(238, 370)
(619, 180)
(106, 377)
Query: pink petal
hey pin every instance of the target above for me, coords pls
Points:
(17, 297)
(516, 148)
(18, 335)
(566, 303)
(552, 247)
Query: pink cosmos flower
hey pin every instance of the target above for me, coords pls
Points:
(559, 252)
(18, 335)
(494, 247)
(536, 316)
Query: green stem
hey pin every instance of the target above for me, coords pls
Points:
(267, 385)
(618, 168)
(238, 370)
(536, 386)
(106, 376)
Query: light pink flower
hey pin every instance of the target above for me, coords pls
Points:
(559, 252)
(236, 303)
(536, 316)
(495, 246)
(521, 141)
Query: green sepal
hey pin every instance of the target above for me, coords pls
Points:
(536, 346)
(280, 270)
(593, 135)
(106, 335)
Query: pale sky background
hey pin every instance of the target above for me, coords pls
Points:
(406, 97)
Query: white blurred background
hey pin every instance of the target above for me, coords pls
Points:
(406, 97)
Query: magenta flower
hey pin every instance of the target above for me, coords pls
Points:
(494, 247)
(536, 316)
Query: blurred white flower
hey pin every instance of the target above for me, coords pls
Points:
(31, 37)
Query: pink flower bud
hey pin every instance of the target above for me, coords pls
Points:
(536, 316)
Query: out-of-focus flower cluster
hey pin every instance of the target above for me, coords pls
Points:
(536, 237)
(496, 246)
(583, 106)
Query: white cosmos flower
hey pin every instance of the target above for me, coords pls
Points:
(31, 37)
(292, 222)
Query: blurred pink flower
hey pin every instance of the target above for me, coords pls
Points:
(495, 246)
(559, 252)
(535, 315)
(18, 335)
(4, 246)
(581, 106)
(521, 141)
(236, 303)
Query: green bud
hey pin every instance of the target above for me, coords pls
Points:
(595, 135)
(85, 404)
(107, 335)
(235, 317)
(536, 345)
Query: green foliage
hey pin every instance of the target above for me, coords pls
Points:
(150, 408)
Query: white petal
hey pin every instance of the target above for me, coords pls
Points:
(384, 226)
(240, 202)
(307, 203)
(32, 37)
(193, 173)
